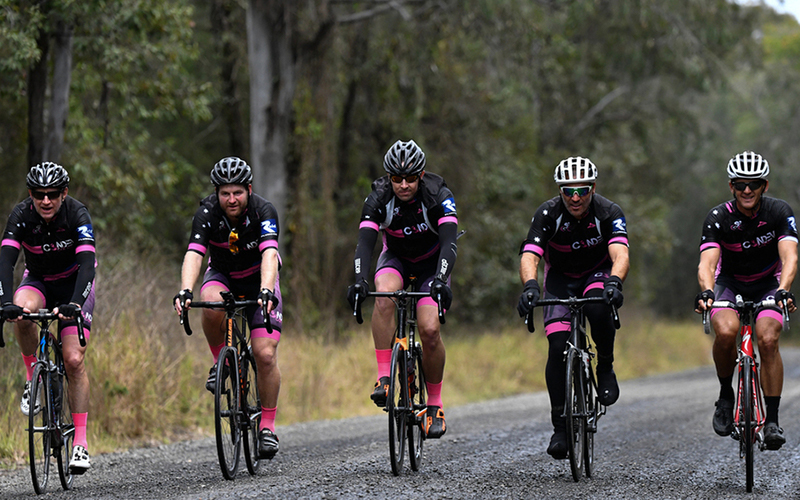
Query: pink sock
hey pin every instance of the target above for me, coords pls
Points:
(215, 349)
(384, 357)
(80, 429)
(29, 362)
(268, 418)
(434, 394)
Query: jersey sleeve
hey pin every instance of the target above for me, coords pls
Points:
(540, 232)
(85, 232)
(788, 225)
(201, 230)
(9, 253)
(270, 228)
(710, 237)
(372, 215)
(618, 230)
(447, 222)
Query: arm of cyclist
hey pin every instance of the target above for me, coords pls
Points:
(620, 265)
(448, 249)
(8, 258)
(706, 271)
(190, 271)
(367, 236)
(269, 274)
(83, 286)
(787, 250)
(528, 273)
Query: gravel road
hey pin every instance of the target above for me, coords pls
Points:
(655, 443)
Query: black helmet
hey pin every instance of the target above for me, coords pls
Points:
(231, 170)
(47, 175)
(404, 158)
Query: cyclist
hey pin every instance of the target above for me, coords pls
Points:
(417, 213)
(55, 231)
(239, 231)
(583, 240)
(748, 247)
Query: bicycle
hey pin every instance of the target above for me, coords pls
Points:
(405, 402)
(582, 409)
(237, 404)
(749, 415)
(50, 427)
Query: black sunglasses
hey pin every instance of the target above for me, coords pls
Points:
(753, 185)
(397, 179)
(39, 195)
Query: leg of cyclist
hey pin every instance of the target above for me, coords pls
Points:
(433, 362)
(26, 333)
(387, 279)
(768, 330)
(213, 322)
(603, 333)
(557, 336)
(726, 326)
(265, 352)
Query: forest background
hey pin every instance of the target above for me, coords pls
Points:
(139, 98)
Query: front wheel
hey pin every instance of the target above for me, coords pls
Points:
(226, 412)
(251, 413)
(748, 436)
(417, 397)
(39, 424)
(67, 430)
(592, 414)
(575, 413)
(396, 405)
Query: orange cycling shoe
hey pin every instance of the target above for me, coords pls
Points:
(381, 391)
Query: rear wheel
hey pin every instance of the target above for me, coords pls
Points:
(39, 433)
(417, 397)
(396, 404)
(575, 413)
(226, 418)
(251, 416)
(67, 428)
(747, 438)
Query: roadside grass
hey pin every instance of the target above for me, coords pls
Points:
(147, 376)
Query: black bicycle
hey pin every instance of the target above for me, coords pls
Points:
(237, 404)
(406, 400)
(50, 427)
(582, 409)
(749, 415)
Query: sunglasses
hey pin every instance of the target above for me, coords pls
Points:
(40, 195)
(753, 185)
(233, 239)
(397, 179)
(581, 191)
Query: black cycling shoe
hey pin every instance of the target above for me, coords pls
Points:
(211, 381)
(434, 424)
(267, 444)
(558, 445)
(723, 417)
(773, 436)
(607, 387)
(381, 391)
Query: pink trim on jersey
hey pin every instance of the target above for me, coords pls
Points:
(773, 270)
(619, 239)
(69, 272)
(220, 245)
(450, 218)
(397, 233)
(558, 326)
(729, 206)
(36, 250)
(391, 270)
(247, 272)
(85, 248)
(594, 286)
(368, 224)
(706, 246)
(262, 333)
(8, 242)
(267, 244)
(560, 248)
(530, 247)
(733, 247)
(425, 256)
(770, 313)
(197, 247)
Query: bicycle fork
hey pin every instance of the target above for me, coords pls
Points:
(758, 415)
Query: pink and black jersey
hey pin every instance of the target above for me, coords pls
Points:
(749, 245)
(62, 249)
(256, 232)
(575, 247)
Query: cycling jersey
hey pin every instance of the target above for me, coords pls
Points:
(419, 230)
(212, 233)
(575, 247)
(63, 249)
(749, 245)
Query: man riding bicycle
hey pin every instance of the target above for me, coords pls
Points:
(583, 240)
(239, 231)
(55, 231)
(417, 213)
(748, 248)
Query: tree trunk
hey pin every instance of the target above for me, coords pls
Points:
(221, 11)
(37, 90)
(59, 106)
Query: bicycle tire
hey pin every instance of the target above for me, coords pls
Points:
(39, 428)
(747, 438)
(417, 398)
(251, 413)
(591, 427)
(396, 405)
(226, 412)
(573, 408)
(67, 430)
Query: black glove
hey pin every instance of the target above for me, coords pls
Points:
(782, 295)
(703, 297)
(525, 305)
(361, 288)
(266, 295)
(70, 310)
(183, 296)
(11, 311)
(612, 291)
(439, 287)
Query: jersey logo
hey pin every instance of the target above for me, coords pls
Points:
(269, 226)
(792, 223)
(736, 225)
(85, 232)
(619, 225)
(449, 205)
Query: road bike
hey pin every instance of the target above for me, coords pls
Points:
(582, 409)
(237, 404)
(749, 415)
(406, 399)
(50, 427)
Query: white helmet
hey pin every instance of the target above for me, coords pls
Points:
(575, 169)
(748, 165)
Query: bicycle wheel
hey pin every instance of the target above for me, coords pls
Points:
(747, 438)
(251, 413)
(397, 406)
(417, 398)
(66, 429)
(573, 407)
(226, 408)
(39, 428)
(591, 427)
